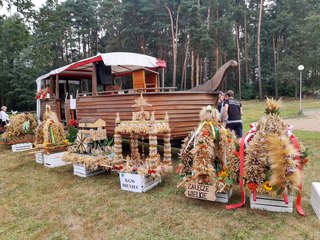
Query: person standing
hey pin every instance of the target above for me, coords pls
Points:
(232, 113)
(4, 116)
(221, 105)
(4, 119)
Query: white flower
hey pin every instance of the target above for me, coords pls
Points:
(208, 108)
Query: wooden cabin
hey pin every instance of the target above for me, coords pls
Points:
(90, 81)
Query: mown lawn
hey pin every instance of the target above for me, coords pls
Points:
(42, 203)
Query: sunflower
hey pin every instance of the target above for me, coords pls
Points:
(267, 186)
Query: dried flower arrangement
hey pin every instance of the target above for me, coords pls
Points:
(50, 135)
(271, 158)
(271, 164)
(21, 129)
(43, 93)
(209, 155)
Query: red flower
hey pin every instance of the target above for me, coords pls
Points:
(205, 133)
(73, 123)
(151, 171)
(252, 185)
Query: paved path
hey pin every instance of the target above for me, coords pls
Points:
(309, 122)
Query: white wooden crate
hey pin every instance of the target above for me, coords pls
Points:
(223, 197)
(21, 147)
(315, 198)
(54, 160)
(149, 182)
(39, 157)
(265, 202)
(137, 183)
(82, 171)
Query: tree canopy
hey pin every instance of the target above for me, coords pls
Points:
(195, 37)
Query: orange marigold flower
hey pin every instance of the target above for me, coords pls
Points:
(223, 173)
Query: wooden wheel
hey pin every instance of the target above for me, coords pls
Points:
(81, 143)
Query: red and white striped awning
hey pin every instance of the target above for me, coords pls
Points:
(121, 63)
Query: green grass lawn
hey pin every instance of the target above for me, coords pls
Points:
(42, 203)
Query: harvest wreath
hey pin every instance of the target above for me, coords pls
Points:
(271, 158)
(209, 155)
(50, 134)
(21, 129)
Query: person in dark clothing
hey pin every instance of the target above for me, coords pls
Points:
(232, 113)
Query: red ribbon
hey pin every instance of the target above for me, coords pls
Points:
(285, 197)
(243, 197)
(178, 169)
(255, 195)
(298, 201)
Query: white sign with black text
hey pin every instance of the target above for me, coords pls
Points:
(130, 182)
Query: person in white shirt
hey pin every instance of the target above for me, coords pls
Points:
(4, 116)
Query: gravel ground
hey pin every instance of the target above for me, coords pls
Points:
(310, 121)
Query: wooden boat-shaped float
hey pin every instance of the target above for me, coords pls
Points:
(90, 84)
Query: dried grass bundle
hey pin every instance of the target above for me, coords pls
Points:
(49, 132)
(285, 174)
(209, 113)
(20, 124)
(91, 162)
(272, 124)
(207, 155)
(256, 164)
(273, 106)
(270, 157)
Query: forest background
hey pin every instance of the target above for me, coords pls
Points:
(269, 39)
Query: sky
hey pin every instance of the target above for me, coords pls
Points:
(37, 3)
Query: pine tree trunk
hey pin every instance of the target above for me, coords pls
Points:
(276, 88)
(79, 47)
(206, 59)
(197, 68)
(246, 42)
(238, 59)
(258, 51)
(192, 69)
(217, 42)
(225, 82)
(84, 47)
(184, 69)
(173, 42)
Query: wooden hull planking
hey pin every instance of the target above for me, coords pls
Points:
(183, 108)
